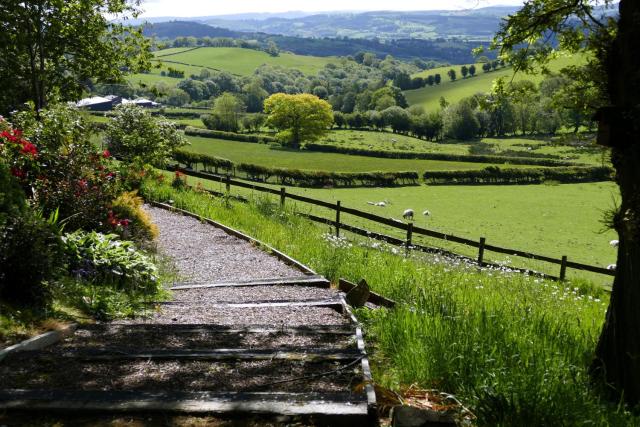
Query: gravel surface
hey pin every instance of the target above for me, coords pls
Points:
(273, 316)
(203, 253)
(172, 337)
(40, 371)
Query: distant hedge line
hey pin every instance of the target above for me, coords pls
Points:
(207, 133)
(295, 177)
(493, 175)
(474, 158)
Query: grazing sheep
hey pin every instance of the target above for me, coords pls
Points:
(611, 267)
(426, 213)
(408, 214)
(614, 243)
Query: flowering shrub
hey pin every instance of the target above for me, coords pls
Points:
(179, 180)
(135, 223)
(61, 166)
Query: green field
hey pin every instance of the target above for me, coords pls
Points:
(266, 155)
(552, 220)
(429, 96)
(517, 146)
(237, 61)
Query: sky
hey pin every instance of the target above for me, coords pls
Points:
(156, 8)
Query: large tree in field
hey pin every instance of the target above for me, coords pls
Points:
(53, 48)
(298, 118)
(613, 47)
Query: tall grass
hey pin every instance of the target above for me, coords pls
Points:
(514, 348)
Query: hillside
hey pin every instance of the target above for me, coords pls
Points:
(236, 61)
(453, 51)
(476, 24)
(429, 96)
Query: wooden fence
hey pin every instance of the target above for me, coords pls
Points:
(408, 228)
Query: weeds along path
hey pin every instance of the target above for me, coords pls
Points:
(244, 335)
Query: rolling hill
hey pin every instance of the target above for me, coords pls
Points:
(429, 96)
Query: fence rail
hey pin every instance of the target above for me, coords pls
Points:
(409, 228)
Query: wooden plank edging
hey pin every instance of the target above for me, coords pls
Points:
(345, 286)
(40, 341)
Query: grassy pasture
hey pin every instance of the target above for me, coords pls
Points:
(513, 349)
(233, 60)
(265, 155)
(429, 96)
(385, 141)
(552, 220)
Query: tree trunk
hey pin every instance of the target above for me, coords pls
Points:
(618, 351)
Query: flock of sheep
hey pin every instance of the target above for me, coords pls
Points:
(407, 214)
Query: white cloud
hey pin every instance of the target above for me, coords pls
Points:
(206, 7)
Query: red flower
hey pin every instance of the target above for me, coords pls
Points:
(106, 154)
(18, 173)
(28, 148)
(125, 222)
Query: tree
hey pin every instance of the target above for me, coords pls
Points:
(464, 70)
(298, 118)
(460, 122)
(613, 49)
(452, 74)
(53, 48)
(398, 118)
(227, 108)
(472, 70)
(430, 80)
(486, 67)
(437, 79)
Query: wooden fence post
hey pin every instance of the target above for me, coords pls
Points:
(228, 183)
(283, 195)
(563, 267)
(338, 218)
(481, 251)
(409, 234)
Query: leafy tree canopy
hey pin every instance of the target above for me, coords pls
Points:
(298, 118)
(53, 48)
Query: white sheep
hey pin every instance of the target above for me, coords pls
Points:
(611, 267)
(426, 212)
(408, 214)
(614, 243)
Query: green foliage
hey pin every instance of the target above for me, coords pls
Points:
(226, 113)
(104, 260)
(493, 175)
(133, 133)
(139, 227)
(459, 122)
(298, 118)
(12, 198)
(231, 136)
(31, 257)
(51, 50)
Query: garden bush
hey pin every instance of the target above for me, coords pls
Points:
(104, 259)
(134, 134)
(31, 257)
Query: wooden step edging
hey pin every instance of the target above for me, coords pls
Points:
(315, 280)
(280, 255)
(345, 286)
(251, 329)
(185, 402)
(40, 341)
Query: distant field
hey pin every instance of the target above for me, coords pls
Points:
(429, 96)
(233, 60)
(263, 154)
(385, 141)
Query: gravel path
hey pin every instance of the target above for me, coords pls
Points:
(204, 253)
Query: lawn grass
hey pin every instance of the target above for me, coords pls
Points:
(513, 349)
(267, 155)
(429, 96)
(238, 61)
